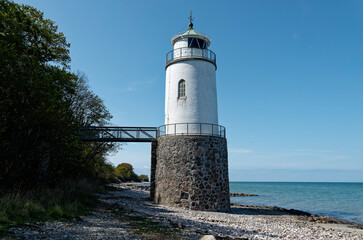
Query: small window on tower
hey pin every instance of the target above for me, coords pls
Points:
(181, 89)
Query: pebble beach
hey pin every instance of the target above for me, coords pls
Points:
(243, 222)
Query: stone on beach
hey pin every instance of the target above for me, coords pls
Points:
(208, 237)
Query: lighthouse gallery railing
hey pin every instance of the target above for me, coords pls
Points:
(198, 129)
(186, 52)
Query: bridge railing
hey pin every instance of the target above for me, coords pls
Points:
(149, 134)
(119, 134)
(196, 129)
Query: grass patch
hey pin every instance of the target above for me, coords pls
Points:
(43, 204)
(148, 228)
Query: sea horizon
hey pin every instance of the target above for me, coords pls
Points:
(293, 182)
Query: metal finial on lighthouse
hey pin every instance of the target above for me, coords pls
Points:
(191, 19)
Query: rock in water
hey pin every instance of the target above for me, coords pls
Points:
(326, 219)
(241, 195)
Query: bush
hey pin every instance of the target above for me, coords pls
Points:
(143, 178)
(125, 173)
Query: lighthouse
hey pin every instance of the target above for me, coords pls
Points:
(191, 169)
(191, 94)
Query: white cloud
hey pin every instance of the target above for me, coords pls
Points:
(137, 85)
(339, 157)
(239, 150)
(313, 150)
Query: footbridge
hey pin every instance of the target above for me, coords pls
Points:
(119, 134)
(125, 134)
(149, 134)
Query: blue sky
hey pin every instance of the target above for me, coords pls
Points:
(289, 78)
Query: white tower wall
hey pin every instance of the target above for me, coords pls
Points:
(200, 102)
(181, 43)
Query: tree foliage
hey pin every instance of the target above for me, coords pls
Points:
(42, 104)
(125, 173)
(143, 178)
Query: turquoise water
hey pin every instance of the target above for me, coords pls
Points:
(343, 200)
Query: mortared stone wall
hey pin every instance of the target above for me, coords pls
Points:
(192, 172)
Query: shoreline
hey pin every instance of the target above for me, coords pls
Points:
(126, 213)
(306, 217)
(311, 216)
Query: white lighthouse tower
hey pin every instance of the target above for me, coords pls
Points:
(191, 163)
(191, 93)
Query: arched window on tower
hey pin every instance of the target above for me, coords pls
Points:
(181, 89)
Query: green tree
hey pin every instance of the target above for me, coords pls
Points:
(42, 104)
(32, 89)
(125, 172)
(143, 178)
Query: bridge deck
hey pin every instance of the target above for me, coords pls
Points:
(119, 134)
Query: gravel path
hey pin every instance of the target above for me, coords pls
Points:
(240, 223)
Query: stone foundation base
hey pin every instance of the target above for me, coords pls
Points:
(192, 172)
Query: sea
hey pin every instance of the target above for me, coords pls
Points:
(337, 200)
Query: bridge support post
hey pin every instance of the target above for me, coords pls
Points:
(154, 145)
